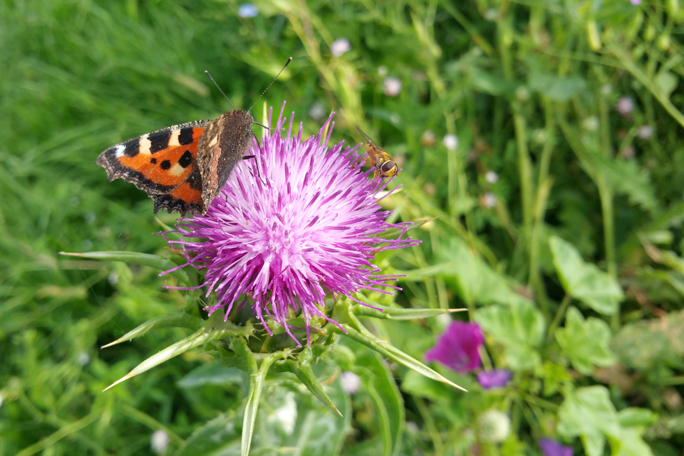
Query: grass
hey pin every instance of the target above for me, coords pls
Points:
(527, 87)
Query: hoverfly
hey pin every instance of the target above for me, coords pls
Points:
(382, 161)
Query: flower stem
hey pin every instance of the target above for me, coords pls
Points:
(430, 425)
(559, 315)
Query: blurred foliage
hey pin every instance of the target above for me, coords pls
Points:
(557, 201)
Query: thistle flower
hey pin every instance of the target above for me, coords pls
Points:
(302, 230)
(496, 378)
(552, 448)
(645, 132)
(457, 348)
(392, 86)
(624, 106)
(489, 200)
(451, 142)
(494, 426)
(491, 177)
(159, 441)
(339, 47)
(350, 382)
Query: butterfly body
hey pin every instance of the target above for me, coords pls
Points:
(382, 161)
(183, 167)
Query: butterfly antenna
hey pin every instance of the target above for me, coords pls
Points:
(269, 86)
(217, 86)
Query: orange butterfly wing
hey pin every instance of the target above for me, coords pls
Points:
(162, 163)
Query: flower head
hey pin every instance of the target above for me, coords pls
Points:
(496, 378)
(489, 200)
(392, 86)
(494, 426)
(159, 441)
(428, 139)
(451, 142)
(552, 448)
(339, 47)
(624, 106)
(350, 382)
(491, 177)
(645, 132)
(457, 348)
(303, 229)
(248, 10)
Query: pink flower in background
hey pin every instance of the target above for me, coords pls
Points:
(645, 132)
(304, 230)
(457, 348)
(496, 378)
(552, 448)
(624, 106)
(339, 47)
(392, 86)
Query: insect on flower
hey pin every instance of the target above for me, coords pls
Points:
(382, 161)
(309, 230)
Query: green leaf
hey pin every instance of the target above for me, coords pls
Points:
(379, 383)
(519, 328)
(584, 281)
(304, 372)
(628, 178)
(398, 313)
(210, 374)
(589, 414)
(585, 342)
(666, 82)
(405, 227)
(421, 386)
(397, 355)
(143, 259)
(473, 279)
(632, 422)
(321, 432)
(201, 337)
(643, 345)
(179, 319)
(554, 87)
(218, 436)
(257, 377)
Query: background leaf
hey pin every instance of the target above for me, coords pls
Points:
(584, 281)
(585, 342)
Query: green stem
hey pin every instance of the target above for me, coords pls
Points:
(559, 315)
(543, 190)
(430, 425)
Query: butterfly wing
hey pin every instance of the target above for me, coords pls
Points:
(372, 149)
(161, 163)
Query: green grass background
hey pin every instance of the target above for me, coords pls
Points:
(528, 87)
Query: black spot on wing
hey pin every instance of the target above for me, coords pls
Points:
(159, 141)
(132, 147)
(185, 136)
(153, 161)
(186, 159)
(165, 165)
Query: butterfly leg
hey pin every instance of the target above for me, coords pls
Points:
(253, 157)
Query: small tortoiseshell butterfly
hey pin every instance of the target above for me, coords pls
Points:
(382, 161)
(184, 167)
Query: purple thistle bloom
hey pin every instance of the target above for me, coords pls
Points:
(552, 448)
(457, 347)
(496, 378)
(304, 229)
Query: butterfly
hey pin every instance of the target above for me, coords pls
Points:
(382, 161)
(184, 167)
